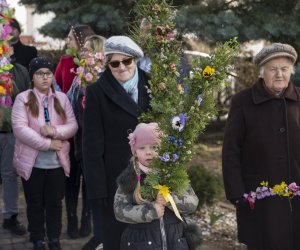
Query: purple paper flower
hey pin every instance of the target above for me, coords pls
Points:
(293, 186)
(175, 141)
(165, 157)
(6, 30)
(175, 157)
(178, 122)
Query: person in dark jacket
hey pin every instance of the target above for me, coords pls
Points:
(10, 186)
(93, 44)
(22, 53)
(64, 76)
(261, 143)
(112, 107)
(150, 223)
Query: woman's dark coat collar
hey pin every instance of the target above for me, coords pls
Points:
(118, 95)
(260, 95)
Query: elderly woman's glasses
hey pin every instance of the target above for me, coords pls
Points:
(125, 62)
(41, 74)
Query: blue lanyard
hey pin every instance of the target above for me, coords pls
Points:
(46, 111)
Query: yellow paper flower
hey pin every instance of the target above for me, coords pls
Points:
(208, 71)
(83, 62)
(163, 190)
(264, 183)
(2, 90)
(281, 189)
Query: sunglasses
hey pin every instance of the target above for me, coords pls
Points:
(125, 62)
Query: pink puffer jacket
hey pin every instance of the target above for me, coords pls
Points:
(26, 129)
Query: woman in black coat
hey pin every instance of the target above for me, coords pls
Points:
(112, 107)
(261, 143)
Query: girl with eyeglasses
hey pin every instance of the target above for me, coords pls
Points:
(112, 107)
(43, 121)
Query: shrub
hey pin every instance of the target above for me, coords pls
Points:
(206, 185)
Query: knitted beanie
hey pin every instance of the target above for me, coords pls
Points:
(144, 133)
(38, 63)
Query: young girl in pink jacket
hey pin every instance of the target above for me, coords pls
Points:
(42, 122)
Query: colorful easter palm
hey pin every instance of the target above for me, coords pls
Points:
(182, 108)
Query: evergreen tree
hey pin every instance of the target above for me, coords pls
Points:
(105, 17)
(219, 20)
(211, 20)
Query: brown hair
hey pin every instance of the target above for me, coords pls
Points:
(32, 104)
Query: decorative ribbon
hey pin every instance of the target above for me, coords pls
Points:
(165, 192)
(46, 111)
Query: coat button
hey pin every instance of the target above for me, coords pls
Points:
(128, 243)
(282, 130)
(149, 242)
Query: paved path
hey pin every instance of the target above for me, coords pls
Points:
(12, 242)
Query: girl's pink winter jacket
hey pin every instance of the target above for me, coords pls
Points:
(26, 129)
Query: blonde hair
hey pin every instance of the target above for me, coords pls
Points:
(137, 191)
(97, 42)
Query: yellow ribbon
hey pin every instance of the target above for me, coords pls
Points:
(165, 192)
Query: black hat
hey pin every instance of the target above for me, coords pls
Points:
(15, 24)
(38, 63)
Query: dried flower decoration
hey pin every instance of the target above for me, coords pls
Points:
(181, 110)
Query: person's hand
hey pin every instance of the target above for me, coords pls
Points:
(56, 145)
(46, 131)
(160, 209)
(161, 200)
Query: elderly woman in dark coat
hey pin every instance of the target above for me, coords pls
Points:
(262, 143)
(112, 107)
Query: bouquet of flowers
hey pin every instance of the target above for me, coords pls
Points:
(89, 68)
(282, 190)
(5, 53)
(181, 108)
(6, 82)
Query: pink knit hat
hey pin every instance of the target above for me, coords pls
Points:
(144, 133)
